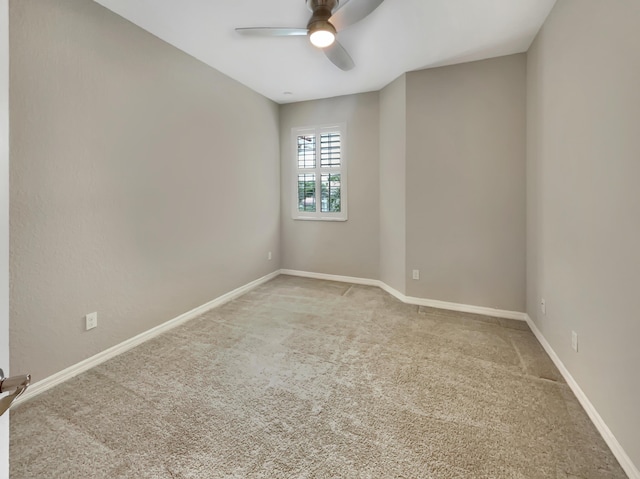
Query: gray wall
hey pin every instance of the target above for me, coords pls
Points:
(583, 231)
(349, 248)
(466, 183)
(393, 142)
(143, 183)
(451, 185)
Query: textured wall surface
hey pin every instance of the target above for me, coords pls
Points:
(4, 223)
(393, 208)
(583, 232)
(345, 248)
(466, 183)
(143, 183)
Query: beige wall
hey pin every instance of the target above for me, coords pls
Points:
(451, 185)
(143, 183)
(466, 183)
(393, 142)
(4, 223)
(583, 232)
(347, 248)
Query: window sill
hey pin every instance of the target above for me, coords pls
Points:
(317, 218)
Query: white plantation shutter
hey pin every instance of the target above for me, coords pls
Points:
(320, 173)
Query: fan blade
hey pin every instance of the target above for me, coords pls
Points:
(353, 12)
(272, 31)
(339, 56)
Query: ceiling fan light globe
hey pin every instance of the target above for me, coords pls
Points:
(321, 32)
(322, 38)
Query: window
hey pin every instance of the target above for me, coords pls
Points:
(320, 173)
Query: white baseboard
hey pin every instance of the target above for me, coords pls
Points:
(331, 277)
(468, 308)
(433, 303)
(130, 343)
(620, 454)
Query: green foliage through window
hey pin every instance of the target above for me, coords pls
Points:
(330, 193)
(307, 192)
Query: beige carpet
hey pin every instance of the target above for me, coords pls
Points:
(314, 379)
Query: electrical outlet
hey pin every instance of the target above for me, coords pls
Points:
(416, 274)
(269, 255)
(543, 306)
(574, 341)
(91, 320)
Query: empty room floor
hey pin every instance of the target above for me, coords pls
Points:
(302, 378)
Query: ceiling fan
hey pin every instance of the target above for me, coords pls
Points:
(327, 19)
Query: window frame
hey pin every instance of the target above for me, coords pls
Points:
(318, 215)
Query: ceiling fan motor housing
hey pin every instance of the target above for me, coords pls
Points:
(322, 11)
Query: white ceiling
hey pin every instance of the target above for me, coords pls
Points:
(399, 36)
